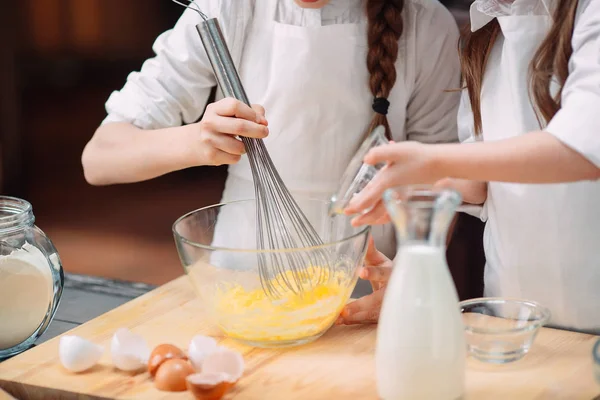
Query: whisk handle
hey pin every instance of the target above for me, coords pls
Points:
(220, 59)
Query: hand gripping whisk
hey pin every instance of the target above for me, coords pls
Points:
(280, 223)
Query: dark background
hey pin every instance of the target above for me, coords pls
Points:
(59, 61)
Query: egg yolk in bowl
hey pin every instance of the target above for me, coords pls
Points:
(289, 316)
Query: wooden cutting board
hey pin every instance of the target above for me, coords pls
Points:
(339, 365)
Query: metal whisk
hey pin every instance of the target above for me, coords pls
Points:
(280, 223)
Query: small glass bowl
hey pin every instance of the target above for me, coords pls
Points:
(501, 330)
(596, 356)
(358, 174)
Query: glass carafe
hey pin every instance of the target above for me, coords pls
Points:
(31, 278)
(421, 346)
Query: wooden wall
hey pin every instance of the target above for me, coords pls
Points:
(10, 144)
(91, 28)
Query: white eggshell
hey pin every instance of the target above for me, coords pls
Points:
(77, 354)
(129, 351)
(224, 361)
(200, 347)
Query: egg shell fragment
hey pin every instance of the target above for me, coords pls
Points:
(224, 361)
(209, 385)
(77, 354)
(200, 347)
(129, 352)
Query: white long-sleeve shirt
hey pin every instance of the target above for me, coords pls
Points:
(172, 88)
(317, 119)
(541, 241)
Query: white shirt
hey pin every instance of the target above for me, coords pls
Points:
(308, 68)
(172, 88)
(541, 241)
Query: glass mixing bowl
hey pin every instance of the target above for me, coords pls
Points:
(217, 247)
(501, 330)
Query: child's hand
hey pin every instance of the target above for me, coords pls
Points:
(213, 138)
(405, 163)
(365, 310)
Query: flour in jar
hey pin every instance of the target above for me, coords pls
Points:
(26, 289)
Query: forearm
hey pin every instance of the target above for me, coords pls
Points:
(472, 192)
(123, 153)
(532, 158)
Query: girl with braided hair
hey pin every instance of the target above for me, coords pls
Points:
(325, 71)
(531, 114)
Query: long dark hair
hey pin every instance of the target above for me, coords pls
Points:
(385, 27)
(550, 61)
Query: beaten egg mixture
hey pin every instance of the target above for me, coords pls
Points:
(250, 314)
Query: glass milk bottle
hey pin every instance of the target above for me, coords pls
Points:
(421, 348)
(31, 278)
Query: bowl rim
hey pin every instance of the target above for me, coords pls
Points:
(530, 326)
(365, 230)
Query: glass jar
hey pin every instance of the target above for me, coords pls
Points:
(31, 278)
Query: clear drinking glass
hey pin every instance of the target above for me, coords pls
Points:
(31, 278)
(217, 247)
(358, 174)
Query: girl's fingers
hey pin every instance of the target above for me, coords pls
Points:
(376, 216)
(364, 200)
(384, 219)
(258, 109)
(362, 311)
(236, 127)
(372, 193)
(230, 107)
(260, 113)
(374, 256)
(386, 154)
(227, 143)
(371, 249)
(219, 157)
(376, 273)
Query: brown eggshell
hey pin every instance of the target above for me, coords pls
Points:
(162, 353)
(171, 374)
(208, 391)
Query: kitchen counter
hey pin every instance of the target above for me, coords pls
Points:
(338, 365)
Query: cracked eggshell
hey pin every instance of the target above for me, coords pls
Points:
(224, 361)
(77, 354)
(209, 385)
(129, 351)
(200, 347)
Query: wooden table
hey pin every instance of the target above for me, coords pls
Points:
(87, 297)
(339, 365)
